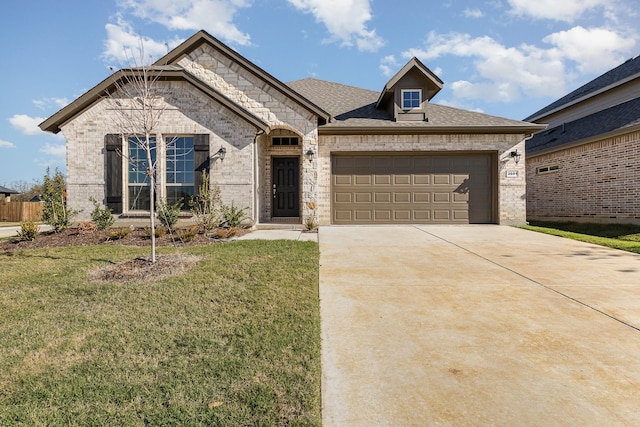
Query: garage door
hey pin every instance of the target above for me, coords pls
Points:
(417, 188)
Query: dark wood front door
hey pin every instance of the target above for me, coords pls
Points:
(285, 186)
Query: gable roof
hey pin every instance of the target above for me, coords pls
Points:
(354, 110)
(623, 73)
(414, 63)
(168, 72)
(202, 37)
(623, 117)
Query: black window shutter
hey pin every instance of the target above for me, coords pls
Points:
(201, 155)
(113, 171)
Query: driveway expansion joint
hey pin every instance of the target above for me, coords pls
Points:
(529, 279)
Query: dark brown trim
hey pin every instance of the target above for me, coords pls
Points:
(103, 89)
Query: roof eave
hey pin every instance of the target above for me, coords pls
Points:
(584, 141)
(53, 124)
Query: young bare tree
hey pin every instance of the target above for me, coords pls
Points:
(139, 107)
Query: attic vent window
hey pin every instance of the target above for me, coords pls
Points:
(284, 140)
(411, 99)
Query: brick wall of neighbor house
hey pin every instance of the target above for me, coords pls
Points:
(595, 182)
(511, 191)
(189, 112)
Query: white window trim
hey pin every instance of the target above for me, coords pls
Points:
(402, 92)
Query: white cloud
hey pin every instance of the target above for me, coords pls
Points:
(473, 13)
(125, 46)
(594, 50)
(26, 124)
(506, 74)
(557, 10)
(54, 150)
(389, 65)
(345, 20)
(6, 144)
(46, 103)
(214, 16)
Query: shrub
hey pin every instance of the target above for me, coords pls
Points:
(169, 214)
(232, 216)
(187, 234)
(119, 233)
(206, 206)
(310, 223)
(102, 217)
(28, 230)
(54, 209)
(159, 232)
(224, 233)
(87, 227)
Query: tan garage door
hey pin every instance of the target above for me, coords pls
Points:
(417, 188)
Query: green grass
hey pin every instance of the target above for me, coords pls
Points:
(235, 341)
(618, 236)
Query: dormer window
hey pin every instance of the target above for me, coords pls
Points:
(411, 99)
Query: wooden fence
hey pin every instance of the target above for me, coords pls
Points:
(20, 211)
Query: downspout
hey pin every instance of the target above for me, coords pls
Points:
(255, 177)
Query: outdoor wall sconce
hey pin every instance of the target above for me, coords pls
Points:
(221, 153)
(515, 155)
(309, 154)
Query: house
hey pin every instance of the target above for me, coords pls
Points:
(586, 165)
(342, 154)
(6, 193)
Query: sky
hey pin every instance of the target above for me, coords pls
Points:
(506, 58)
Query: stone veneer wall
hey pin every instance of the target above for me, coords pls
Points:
(595, 182)
(191, 112)
(511, 191)
(188, 112)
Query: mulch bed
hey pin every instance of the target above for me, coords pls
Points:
(136, 237)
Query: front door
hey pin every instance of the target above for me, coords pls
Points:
(285, 186)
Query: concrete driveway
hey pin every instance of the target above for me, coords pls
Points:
(476, 325)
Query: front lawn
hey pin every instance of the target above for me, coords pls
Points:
(235, 341)
(618, 236)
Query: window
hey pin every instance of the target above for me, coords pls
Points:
(284, 140)
(178, 179)
(411, 99)
(138, 178)
(547, 169)
(180, 170)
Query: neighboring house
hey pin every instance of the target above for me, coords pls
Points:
(5, 193)
(586, 165)
(308, 148)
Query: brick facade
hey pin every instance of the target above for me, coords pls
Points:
(595, 182)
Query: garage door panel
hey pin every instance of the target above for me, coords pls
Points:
(382, 179)
(402, 215)
(402, 180)
(441, 197)
(401, 197)
(416, 188)
(362, 180)
(421, 179)
(362, 197)
(441, 179)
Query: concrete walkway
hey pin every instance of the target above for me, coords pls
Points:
(280, 235)
(476, 325)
